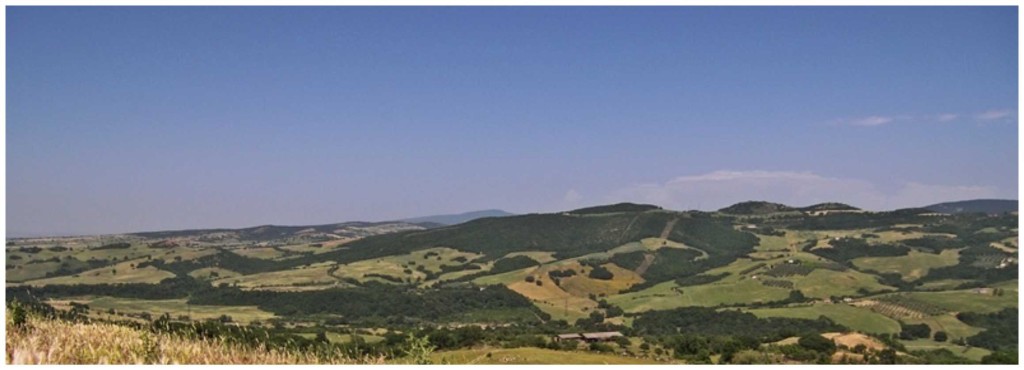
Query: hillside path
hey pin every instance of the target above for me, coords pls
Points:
(648, 260)
(668, 228)
(623, 236)
(649, 257)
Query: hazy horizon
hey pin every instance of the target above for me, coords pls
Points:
(154, 118)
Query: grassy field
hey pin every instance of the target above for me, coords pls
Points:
(822, 283)
(973, 353)
(299, 276)
(668, 295)
(912, 266)
(401, 267)
(947, 323)
(120, 273)
(532, 356)
(1013, 285)
(23, 266)
(855, 318)
(736, 267)
(945, 284)
(23, 272)
(178, 307)
(395, 266)
(506, 278)
(773, 243)
(967, 300)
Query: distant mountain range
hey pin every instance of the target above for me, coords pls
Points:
(363, 229)
(975, 206)
(452, 219)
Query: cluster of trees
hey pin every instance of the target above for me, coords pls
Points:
(1000, 329)
(700, 279)
(369, 301)
(600, 272)
(845, 249)
(935, 244)
(697, 349)
(669, 264)
(912, 331)
(170, 288)
(847, 221)
(629, 261)
(501, 266)
(120, 245)
(595, 322)
(615, 208)
(566, 235)
(968, 268)
(768, 230)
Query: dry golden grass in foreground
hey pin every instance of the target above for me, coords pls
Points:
(41, 341)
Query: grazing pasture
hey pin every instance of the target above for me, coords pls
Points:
(855, 318)
(912, 266)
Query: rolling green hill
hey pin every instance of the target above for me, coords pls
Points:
(753, 274)
(755, 208)
(975, 206)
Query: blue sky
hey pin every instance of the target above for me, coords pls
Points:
(129, 119)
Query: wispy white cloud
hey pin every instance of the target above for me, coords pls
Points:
(572, 196)
(992, 115)
(879, 120)
(865, 121)
(872, 121)
(721, 188)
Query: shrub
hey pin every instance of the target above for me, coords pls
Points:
(600, 273)
(816, 342)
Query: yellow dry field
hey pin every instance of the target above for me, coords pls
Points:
(851, 340)
(58, 342)
(1004, 247)
(583, 286)
(266, 253)
(184, 253)
(550, 297)
(299, 276)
